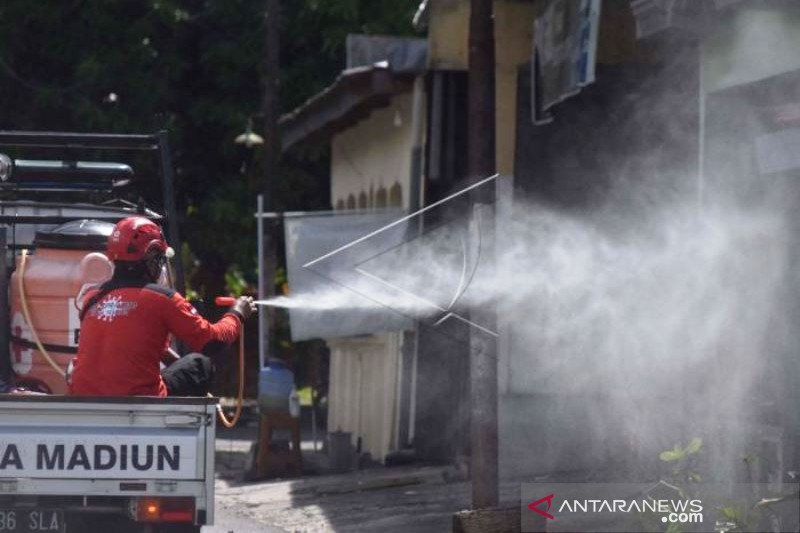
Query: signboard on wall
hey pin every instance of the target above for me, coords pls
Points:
(331, 298)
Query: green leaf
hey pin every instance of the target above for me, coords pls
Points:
(731, 513)
(694, 446)
(234, 281)
(675, 454)
(695, 477)
(670, 455)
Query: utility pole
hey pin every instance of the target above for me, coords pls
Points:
(266, 186)
(271, 104)
(483, 347)
(272, 139)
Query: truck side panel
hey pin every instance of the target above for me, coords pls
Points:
(58, 446)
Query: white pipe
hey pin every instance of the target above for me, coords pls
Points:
(417, 188)
(262, 317)
(417, 144)
(412, 410)
(701, 156)
(399, 348)
(313, 419)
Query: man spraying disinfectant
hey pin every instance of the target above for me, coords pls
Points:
(126, 323)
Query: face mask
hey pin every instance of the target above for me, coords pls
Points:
(155, 266)
(163, 278)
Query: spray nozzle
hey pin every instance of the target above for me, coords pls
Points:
(224, 301)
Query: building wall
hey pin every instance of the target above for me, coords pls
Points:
(371, 162)
(600, 150)
(448, 35)
(751, 82)
(756, 43)
(448, 45)
(513, 47)
(363, 390)
(370, 169)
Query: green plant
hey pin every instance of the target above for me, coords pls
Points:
(234, 281)
(684, 460)
(733, 516)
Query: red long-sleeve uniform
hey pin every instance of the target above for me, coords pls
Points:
(125, 333)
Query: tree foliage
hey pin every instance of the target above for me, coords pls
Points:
(195, 68)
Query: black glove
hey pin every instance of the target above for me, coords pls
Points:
(244, 307)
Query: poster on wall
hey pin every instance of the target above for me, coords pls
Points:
(564, 52)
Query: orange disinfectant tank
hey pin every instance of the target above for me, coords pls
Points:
(65, 260)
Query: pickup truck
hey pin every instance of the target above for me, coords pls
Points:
(82, 464)
(71, 464)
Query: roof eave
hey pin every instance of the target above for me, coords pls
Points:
(354, 94)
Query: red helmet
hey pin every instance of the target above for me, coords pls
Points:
(133, 238)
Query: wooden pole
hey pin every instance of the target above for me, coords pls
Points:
(481, 105)
(271, 103)
(272, 154)
(483, 348)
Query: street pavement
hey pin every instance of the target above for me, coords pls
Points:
(414, 498)
(229, 520)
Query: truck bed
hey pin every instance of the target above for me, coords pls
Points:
(85, 452)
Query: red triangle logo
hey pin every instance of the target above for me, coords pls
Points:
(534, 506)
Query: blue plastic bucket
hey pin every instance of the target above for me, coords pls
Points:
(275, 385)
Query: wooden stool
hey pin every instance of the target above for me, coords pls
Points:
(275, 462)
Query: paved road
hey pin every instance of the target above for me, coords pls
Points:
(393, 500)
(232, 447)
(229, 521)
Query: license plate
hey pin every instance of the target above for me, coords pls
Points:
(31, 520)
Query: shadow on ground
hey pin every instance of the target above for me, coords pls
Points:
(419, 498)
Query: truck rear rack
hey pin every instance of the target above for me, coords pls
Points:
(156, 142)
(67, 174)
(100, 141)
